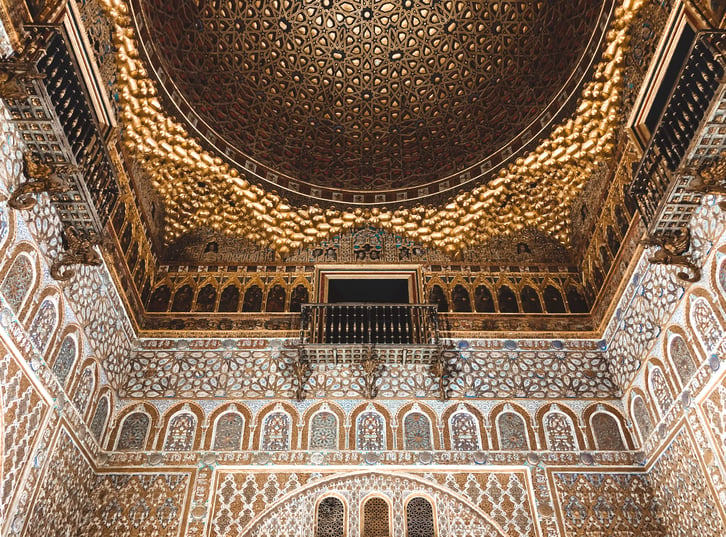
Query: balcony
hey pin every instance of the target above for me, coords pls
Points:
(354, 332)
(661, 183)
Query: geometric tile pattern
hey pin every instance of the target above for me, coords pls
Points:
(239, 497)
(604, 505)
(256, 373)
(714, 408)
(23, 412)
(686, 505)
(74, 501)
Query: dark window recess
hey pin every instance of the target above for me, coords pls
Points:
(368, 290)
(678, 59)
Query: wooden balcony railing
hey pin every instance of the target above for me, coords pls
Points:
(369, 324)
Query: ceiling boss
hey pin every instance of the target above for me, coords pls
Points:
(449, 122)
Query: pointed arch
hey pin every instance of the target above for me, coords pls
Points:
(558, 428)
(432, 418)
(277, 428)
(85, 386)
(680, 354)
(641, 416)
(703, 322)
(132, 426)
(607, 429)
(420, 516)
(252, 300)
(206, 300)
(100, 417)
(512, 428)
(370, 430)
(276, 298)
(330, 516)
(658, 387)
(319, 433)
(417, 431)
(180, 427)
(386, 432)
(228, 428)
(464, 428)
(66, 356)
(183, 297)
(20, 279)
(375, 517)
(324, 428)
(46, 320)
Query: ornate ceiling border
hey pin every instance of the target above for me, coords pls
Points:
(201, 191)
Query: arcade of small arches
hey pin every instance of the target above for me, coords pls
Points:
(368, 427)
(536, 294)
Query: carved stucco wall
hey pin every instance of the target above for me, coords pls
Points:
(57, 480)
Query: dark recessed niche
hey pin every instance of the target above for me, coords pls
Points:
(368, 290)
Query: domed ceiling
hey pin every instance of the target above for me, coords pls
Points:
(329, 98)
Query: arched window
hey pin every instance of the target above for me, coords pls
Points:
(460, 299)
(276, 430)
(43, 325)
(18, 282)
(483, 300)
(140, 273)
(206, 298)
(706, 324)
(98, 422)
(560, 432)
(371, 432)
(419, 518)
(84, 389)
(642, 418)
(125, 239)
(253, 299)
(180, 434)
(229, 300)
(119, 217)
(65, 360)
(507, 300)
(160, 299)
(622, 220)
(417, 432)
(228, 432)
(324, 430)
(576, 300)
(660, 390)
(133, 257)
(464, 432)
(376, 518)
(330, 518)
(530, 300)
(438, 297)
(613, 241)
(276, 299)
(606, 431)
(133, 433)
(553, 300)
(682, 359)
(512, 431)
(183, 299)
(299, 297)
(605, 259)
